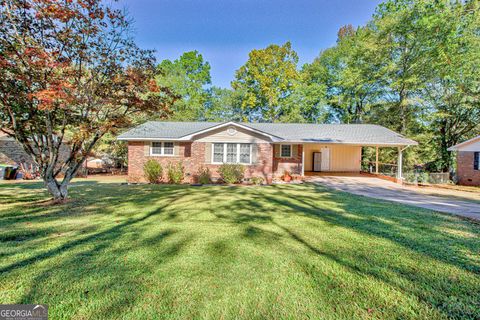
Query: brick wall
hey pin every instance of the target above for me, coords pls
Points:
(466, 174)
(192, 155)
(292, 165)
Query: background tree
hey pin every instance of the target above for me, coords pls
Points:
(223, 105)
(266, 81)
(70, 71)
(452, 82)
(350, 73)
(187, 77)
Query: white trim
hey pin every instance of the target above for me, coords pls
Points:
(350, 143)
(303, 160)
(152, 139)
(291, 150)
(458, 146)
(225, 153)
(162, 149)
(231, 123)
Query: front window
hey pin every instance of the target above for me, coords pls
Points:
(245, 153)
(168, 148)
(286, 151)
(156, 148)
(476, 161)
(218, 152)
(232, 153)
(161, 148)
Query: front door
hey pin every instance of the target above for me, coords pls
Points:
(317, 161)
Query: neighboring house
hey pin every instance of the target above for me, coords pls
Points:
(468, 161)
(266, 149)
(95, 163)
(12, 153)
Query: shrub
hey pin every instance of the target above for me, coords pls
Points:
(204, 176)
(153, 171)
(175, 173)
(257, 180)
(231, 173)
(419, 177)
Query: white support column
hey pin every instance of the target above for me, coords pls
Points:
(303, 160)
(376, 160)
(399, 164)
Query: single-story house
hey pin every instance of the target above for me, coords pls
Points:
(468, 161)
(12, 153)
(266, 149)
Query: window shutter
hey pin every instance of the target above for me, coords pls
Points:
(276, 148)
(208, 153)
(176, 149)
(254, 153)
(146, 148)
(294, 150)
(476, 160)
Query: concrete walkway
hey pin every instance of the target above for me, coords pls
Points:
(381, 189)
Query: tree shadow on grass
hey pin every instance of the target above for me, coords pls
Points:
(115, 230)
(416, 232)
(263, 215)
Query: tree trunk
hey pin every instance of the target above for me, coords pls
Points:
(403, 111)
(59, 191)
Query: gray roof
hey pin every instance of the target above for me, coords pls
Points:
(364, 134)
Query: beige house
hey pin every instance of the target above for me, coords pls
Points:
(468, 161)
(266, 149)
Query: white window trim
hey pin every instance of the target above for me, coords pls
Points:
(162, 154)
(225, 153)
(291, 150)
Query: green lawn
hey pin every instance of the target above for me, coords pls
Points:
(290, 251)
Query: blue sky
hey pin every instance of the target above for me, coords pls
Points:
(225, 31)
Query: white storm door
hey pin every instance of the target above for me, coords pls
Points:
(325, 159)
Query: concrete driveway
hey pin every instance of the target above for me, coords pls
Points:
(447, 201)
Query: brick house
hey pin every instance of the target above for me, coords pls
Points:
(266, 149)
(468, 162)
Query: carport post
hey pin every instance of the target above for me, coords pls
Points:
(303, 160)
(376, 160)
(399, 164)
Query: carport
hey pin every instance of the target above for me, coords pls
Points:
(321, 158)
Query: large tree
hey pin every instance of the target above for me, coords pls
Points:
(187, 77)
(452, 81)
(350, 73)
(266, 81)
(69, 74)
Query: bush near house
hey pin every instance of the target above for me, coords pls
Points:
(231, 173)
(204, 175)
(175, 172)
(153, 171)
(257, 180)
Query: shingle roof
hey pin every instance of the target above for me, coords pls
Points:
(365, 134)
(167, 130)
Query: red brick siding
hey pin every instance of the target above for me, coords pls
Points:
(465, 171)
(192, 155)
(292, 165)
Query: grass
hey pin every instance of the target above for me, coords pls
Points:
(290, 251)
